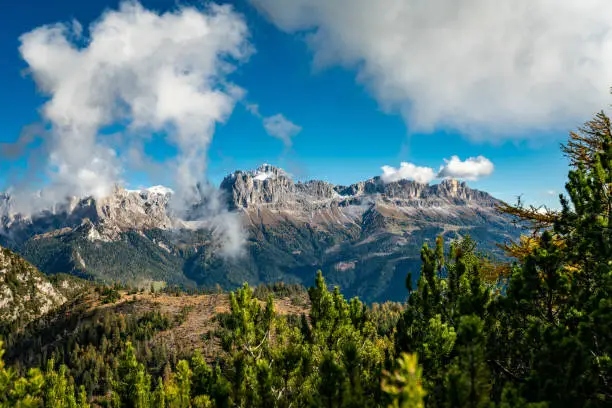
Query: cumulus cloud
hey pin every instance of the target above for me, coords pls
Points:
(408, 171)
(487, 68)
(144, 72)
(280, 127)
(472, 168)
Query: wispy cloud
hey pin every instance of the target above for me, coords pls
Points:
(281, 128)
(277, 126)
(254, 109)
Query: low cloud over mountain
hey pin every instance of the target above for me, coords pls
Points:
(472, 169)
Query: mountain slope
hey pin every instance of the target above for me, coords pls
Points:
(190, 321)
(365, 237)
(25, 293)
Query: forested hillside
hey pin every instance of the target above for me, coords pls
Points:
(536, 332)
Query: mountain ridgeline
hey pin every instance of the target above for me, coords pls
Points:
(365, 237)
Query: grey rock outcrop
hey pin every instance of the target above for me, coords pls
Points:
(272, 188)
(25, 293)
(122, 211)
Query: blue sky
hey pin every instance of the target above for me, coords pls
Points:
(348, 130)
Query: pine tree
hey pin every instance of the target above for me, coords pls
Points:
(134, 384)
(18, 391)
(557, 345)
(183, 380)
(159, 395)
(403, 386)
(468, 380)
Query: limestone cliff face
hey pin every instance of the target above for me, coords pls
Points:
(272, 190)
(267, 189)
(267, 186)
(133, 210)
(272, 187)
(123, 210)
(25, 293)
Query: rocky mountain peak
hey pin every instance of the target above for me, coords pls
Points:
(269, 172)
(273, 188)
(267, 185)
(265, 188)
(121, 211)
(373, 228)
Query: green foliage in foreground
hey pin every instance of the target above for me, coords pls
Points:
(539, 337)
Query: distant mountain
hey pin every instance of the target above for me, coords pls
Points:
(365, 237)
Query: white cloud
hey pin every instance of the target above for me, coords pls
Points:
(487, 68)
(254, 109)
(472, 168)
(147, 71)
(408, 171)
(280, 127)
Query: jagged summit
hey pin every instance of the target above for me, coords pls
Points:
(272, 187)
(267, 187)
(160, 190)
(262, 173)
(123, 210)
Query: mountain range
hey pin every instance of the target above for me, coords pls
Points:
(365, 237)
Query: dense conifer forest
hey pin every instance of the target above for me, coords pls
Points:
(536, 332)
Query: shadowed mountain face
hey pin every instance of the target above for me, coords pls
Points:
(365, 237)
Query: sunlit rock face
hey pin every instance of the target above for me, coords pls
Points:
(25, 293)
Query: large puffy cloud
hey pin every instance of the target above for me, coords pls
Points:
(487, 68)
(408, 171)
(472, 168)
(144, 71)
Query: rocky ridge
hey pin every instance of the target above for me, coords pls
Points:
(272, 187)
(25, 293)
(105, 219)
(268, 188)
